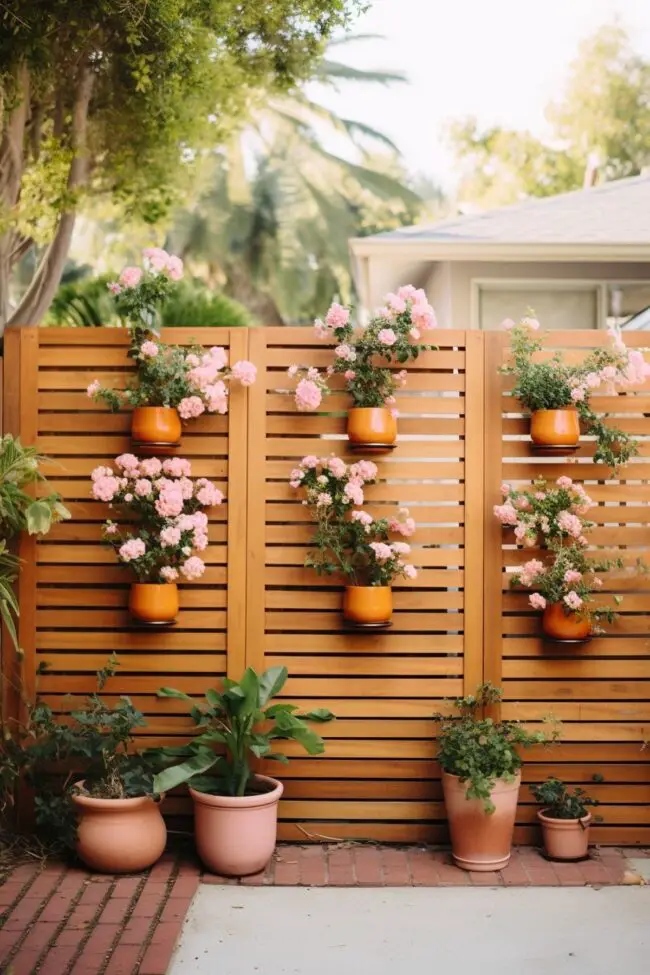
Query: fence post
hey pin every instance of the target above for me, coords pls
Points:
(474, 542)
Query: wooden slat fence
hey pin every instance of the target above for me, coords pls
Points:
(459, 438)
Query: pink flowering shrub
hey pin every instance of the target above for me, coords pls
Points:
(555, 385)
(170, 510)
(348, 540)
(364, 356)
(552, 517)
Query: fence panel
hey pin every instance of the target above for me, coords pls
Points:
(377, 778)
(600, 691)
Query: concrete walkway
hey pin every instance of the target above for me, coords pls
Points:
(401, 931)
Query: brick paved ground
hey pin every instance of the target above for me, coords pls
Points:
(61, 920)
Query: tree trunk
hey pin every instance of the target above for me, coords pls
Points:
(260, 303)
(39, 295)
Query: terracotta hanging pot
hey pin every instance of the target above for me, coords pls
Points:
(158, 426)
(480, 841)
(555, 428)
(119, 835)
(560, 625)
(372, 426)
(368, 605)
(565, 839)
(151, 602)
(235, 835)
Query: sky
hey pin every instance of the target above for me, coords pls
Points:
(500, 60)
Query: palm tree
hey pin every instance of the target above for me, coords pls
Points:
(271, 220)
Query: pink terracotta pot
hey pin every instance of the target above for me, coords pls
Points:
(119, 835)
(565, 839)
(235, 835)
(480, 841)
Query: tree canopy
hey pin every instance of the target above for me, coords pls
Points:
(602, 120)
(101, 96)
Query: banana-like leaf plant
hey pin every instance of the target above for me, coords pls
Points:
(241, 721)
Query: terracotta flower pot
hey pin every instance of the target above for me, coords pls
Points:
(479, 840)
(560, 625)
(368, 604)
(235, 836)
(555, 428)
(565, 839)
(153, 602)
(156, 425)
(119, 835)
(372, 425)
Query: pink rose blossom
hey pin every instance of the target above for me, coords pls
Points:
(191, 406)
(177, 467)
(564, 482)
(349, 374)
(570, 524)
(245, 372)
(186, 488)
(382, 551)
(573, 600)
(345, 352)
(537, 601)
(592, 380)
(134, 548)
(128, 463)
(157, 257)
(143, 487)
(407, 291)
(151, 466)
(209, 494)
(320, 329)
(114, 287)
(401, 548)
(149, 350)
(531, 323)
(170, 536)
(410, 571)
(540, 495)
(364, 469)
(352, 492)
(193, 568)
(337, 316)
(387, 336)
(308, 396)
(169, 503)
(131, 277)
(505, 513)
(101, 472)
(396, 303)
(337, 466)
(323, 500)
(572, 576)
(309, 462)
(174, 268)
(110, 528)
(608, 373)
(363, 517)
(216, 396)
(530, 571)
(94, 388)
(169, 573)
(292, 372)
(508, 324)
(505, 488)
(578, 394)
(200, 541)
(105, 488)
(128, 498)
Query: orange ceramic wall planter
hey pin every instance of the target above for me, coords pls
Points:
(151, 602)
(565, 839)
(235, 835)
(560, 625)
(156, 425)
(372, 426)
(555, 428)
(479, 840)
(119, 835)
(364, 605)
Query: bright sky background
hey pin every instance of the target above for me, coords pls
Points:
(501, 60)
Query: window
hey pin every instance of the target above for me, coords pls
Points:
(557, 305)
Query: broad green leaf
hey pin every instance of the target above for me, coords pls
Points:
(271, 683)
(201, 761)
(38, 518)
(170, 692)
(250, 686)
(318, 714)
(214, 699)
(277, 757)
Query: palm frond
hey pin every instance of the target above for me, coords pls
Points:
(360, 128)
(328, 71)
(352, 38)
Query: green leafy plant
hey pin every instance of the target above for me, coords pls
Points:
(20, 511)
(480, 750)
(240, 720)
(560, 802)
(555, 385)
(348, 541)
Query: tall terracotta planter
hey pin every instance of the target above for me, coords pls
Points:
(565, 839)
(235, 836)
(560, 625)
(373, 427)
(479, 840)
(555, 428)
(153, 603)
(156, 426)
(368, 605)
(119, 835)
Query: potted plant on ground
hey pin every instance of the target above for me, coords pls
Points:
(557, 394)
(565, 819)
(391, 337)
(553, 516)
(171, 521)
(481, 764)
(350, 541)
(235, 809)
(171, 383)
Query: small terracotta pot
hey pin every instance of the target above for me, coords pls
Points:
(153, 602)
(368, 604)
(555, 428)
(479, 840)
(372, 425)
(158, 425)
(560, 625)
(119, 835)
(565, 839)
(235, 835)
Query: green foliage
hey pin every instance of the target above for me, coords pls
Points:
(480, 750)
(552, 384)
(195, 306)
(560, 802)
(240, 721)
(19, 511)
(603, 118)
(96, 739)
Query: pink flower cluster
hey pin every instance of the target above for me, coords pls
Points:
(573, 600)
(423, 317)
(404, 525)
(530, 572)
(159, 261)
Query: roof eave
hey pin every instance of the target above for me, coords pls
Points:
(428, 250)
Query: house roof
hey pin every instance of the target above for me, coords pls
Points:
(614, 214)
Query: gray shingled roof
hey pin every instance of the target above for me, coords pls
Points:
(614, 213)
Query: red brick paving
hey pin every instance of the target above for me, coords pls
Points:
(68, 921)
